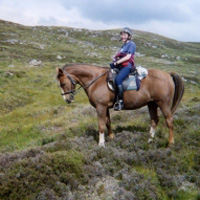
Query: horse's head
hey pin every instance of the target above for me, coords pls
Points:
(67, 85)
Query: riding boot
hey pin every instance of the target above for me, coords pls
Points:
(120, 104)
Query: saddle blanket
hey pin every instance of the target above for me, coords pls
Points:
(132, 82)
(142, 72)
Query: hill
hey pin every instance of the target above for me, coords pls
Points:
(48, 149)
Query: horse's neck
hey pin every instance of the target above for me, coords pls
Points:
(85, 74)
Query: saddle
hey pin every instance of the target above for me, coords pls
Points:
(132, 82)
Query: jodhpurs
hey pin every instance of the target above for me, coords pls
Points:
(123, 73)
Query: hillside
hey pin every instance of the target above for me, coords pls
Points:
(48, 149)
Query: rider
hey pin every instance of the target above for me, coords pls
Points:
(124, 61)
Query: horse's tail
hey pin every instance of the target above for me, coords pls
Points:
(178, 92)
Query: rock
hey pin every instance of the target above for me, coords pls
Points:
(164, 56)
(35, 62)
(9, 73)
(59, 57)
(138, 54)
(42, 46)
(13, 41)
(114, 38)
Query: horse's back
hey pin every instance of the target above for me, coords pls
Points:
(160, 84)
(158, 74)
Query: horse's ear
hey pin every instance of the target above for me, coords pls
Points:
(59, 73)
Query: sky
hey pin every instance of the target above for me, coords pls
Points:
(176, 19)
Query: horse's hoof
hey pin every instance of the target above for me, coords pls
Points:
(150, 140)
(171, 145)
(102, 144)
(111, 136)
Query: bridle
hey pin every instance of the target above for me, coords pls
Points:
(73, 92)
(73, 83)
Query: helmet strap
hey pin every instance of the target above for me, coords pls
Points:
(128, 38)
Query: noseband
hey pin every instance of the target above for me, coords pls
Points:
(72, 91)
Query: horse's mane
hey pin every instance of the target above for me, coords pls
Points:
(86, 64)
(81, 64)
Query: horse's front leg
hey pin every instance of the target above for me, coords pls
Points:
(102, 119)
(108, 125)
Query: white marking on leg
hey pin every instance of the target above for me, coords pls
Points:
(101, 140)
(152, 134)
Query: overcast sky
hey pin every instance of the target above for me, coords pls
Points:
(176, 19)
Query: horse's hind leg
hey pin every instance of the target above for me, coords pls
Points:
(108, 125)
(153, 111)
(166, 110)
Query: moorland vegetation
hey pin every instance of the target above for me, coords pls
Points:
(48, 149)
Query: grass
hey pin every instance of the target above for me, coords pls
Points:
(48, 149)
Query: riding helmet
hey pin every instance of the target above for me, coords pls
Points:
(127, 30)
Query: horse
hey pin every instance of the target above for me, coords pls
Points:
(159, 89)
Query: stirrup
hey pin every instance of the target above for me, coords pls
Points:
(119, 105)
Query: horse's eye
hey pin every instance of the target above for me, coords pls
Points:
(62, 84)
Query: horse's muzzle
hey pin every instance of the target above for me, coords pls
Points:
(68, 101)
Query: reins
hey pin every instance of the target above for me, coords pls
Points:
(74, 92)
(86, 87)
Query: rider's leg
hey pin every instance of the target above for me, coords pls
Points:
(123, 73)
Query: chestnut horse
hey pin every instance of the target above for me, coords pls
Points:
(158, 89)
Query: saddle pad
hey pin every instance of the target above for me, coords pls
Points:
(128, 84)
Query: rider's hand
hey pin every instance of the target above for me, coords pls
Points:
(112, 65)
